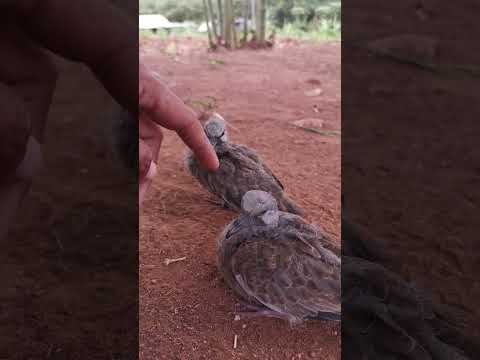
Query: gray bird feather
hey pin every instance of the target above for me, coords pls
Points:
(241, 169)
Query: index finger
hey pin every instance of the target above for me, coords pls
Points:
(169, 111)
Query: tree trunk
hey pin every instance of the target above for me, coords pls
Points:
(227, 23)
(214, 23)
(234, 32)
(245, 21)
(258, 22)
(205, 10)
(220, 19)
(261, 21)
(253, 11)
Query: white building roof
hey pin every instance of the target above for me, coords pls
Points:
(152, 21)
(157, 21)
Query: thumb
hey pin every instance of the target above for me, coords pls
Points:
(147, 167)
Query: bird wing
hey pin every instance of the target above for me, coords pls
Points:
(237, 174)
(245, 151)
(269, 181)
(222, 181)
(240, 171)
(313, 234)
(288, 276)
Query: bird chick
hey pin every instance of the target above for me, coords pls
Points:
(278, 264)
(241, 170)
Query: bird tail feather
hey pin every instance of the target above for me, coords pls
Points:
(328, 316)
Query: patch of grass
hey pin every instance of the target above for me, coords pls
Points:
(216, 62)
(164, 34)
(208, 103)
(322, 31)
(319, 132)
(325, 30)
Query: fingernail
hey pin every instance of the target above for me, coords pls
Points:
(152, 171)
(217, 163)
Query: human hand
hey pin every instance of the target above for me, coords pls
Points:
(28, 77)
(158, 106)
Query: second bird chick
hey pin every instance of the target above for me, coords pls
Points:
(241, 170)
(279, 265)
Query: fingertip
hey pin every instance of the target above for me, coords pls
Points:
(214, 163)
(211, 166)
(208, 157)
(152, 171)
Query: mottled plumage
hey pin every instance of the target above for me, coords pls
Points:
(241, 169)
(278, 264)
(386, 317)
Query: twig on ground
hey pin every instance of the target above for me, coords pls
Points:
(170, 261)
(317, 131)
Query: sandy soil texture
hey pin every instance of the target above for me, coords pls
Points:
(186, 311)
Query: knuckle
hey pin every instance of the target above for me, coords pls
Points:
(49, 71)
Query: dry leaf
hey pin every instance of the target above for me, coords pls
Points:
(313, 92)
(309, 123)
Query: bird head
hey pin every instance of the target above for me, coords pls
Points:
(216, 130)
(261, 204)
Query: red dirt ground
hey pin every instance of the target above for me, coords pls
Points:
(414, 184)
(64, 266)
(186, 311)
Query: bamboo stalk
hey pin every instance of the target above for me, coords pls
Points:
(227, 22)
(262, 12)
(205, 9)
(258, 23)
(253, 10)
(214, 23)
(245, 21)
(220, 19)
(234, 33)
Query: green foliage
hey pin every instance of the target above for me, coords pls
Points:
(323, 31)
(163, 34)
(303, 11)
(183, 10)
(174, 10)
(298, 12)
(304, 19)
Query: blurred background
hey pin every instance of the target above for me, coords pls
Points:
(303, 19)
